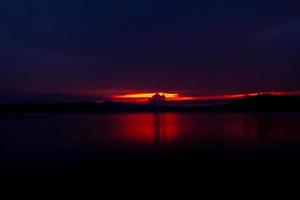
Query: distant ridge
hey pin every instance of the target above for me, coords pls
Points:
(259, 103)
(266, 102)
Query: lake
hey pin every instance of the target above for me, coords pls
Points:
(90, 138)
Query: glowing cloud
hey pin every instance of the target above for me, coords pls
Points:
(145, 95)
(142, 97)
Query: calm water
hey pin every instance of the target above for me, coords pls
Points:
(170, 143)
(95, 134)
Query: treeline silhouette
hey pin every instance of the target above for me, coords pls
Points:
(259, 103)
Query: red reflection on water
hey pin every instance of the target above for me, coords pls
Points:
(167, 126)
(181, 130)
(147, 129)
(135, 128)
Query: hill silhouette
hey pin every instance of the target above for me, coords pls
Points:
(266, 102)
(259, 103)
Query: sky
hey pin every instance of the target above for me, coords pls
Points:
(104, 48)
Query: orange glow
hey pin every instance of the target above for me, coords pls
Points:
(143, 97)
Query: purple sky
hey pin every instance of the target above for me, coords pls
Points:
(192, 47)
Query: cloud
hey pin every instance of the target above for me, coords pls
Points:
(284, 33)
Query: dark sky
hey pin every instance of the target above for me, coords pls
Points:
(204, 47)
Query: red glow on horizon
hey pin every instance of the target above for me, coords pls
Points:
(144, 97)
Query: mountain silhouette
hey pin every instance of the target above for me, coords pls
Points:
(259, 103)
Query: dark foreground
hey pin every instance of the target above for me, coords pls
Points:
(162, 164)
(141, 145)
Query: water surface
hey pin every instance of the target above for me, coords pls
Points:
(63, 133)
